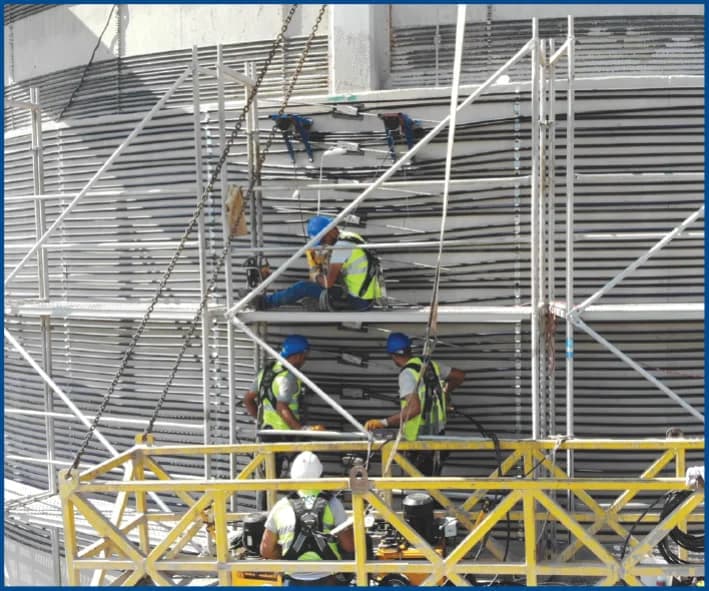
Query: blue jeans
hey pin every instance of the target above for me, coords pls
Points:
(310, 289)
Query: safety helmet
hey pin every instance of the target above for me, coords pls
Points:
(294, 344)
(306, 466)
(398, 343)
(317, 224)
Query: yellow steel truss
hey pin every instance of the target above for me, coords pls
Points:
(129, 549)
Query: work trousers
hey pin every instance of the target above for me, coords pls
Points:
(309, 289)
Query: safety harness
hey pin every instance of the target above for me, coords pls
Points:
(432, 384)
(308, 535)
(265, 390)
(373, 262)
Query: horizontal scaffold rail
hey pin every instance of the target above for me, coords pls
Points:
(529, 490)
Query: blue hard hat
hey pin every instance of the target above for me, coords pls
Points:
(317, 224)
(294, 344)
(398, 343)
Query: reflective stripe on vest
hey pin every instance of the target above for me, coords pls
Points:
(270, 417)
(413, 427)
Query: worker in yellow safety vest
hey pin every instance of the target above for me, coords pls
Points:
(275, 394)
(424, 400)
(299, 525)
(349, 277)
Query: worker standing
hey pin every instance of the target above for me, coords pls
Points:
(424, 400)
(349, 276)
(274, 397)
(298, 526)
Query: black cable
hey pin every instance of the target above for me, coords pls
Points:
(88, 65)
(632, 529)
(690, 542)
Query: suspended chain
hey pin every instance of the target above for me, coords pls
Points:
(180, 247)
(227, 246)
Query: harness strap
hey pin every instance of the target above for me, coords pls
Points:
(265, 391)
(432, 385)
(308, 535)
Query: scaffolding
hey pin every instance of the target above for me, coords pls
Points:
(544, 88)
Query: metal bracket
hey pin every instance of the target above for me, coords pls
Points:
(359, 481)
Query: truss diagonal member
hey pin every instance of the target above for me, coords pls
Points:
(652, 471)
(117, 152)
(476, 535)
(510, 462)
(578, 309)
(250, 468)
(637, 367)
(403, 528)
(107, 530)
(375, 185)
(181, 527)
(602, 517)
(155, 468)
(662, 530)
(576, 529)
(295, 371)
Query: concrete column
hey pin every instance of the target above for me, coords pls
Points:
(359, 47)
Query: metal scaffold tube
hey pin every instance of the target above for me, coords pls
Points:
(535, 234)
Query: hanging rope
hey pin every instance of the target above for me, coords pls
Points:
(227, 246)
(180, 247)
(432, 323)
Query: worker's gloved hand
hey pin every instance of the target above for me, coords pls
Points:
(315, 428)
(373, 424)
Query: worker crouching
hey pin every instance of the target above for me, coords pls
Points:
(298, 526)
(347, 278)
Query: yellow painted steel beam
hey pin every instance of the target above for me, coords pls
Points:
(662, 529)
(530, 540)
(576, 529)
(358, 512)
(97, 547)
(250, 468)
(403, 528)
(190, 533)
(68, 482)
(106, 529)
(508, 463)
(141, 503)
(182, 526)
(653, 470)
(477, 534)
(161, 474)
(108, 465)
(220, 531)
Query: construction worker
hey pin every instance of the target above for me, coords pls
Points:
(423, 410)
(297, 527)
(349, 280)
(274, 397)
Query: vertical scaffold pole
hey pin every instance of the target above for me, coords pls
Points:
(201, 240)
(534, 230)
(226, 231)
(570, 140)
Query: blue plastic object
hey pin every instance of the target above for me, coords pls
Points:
(397, 343)
(294, 344)
(317, 224)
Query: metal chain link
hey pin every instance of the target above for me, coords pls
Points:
(190, 226)
(227, 246)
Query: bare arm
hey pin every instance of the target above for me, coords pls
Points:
(250, 403)
(288, 416)
(411, 409)
(332, 274)
(269, 545)
(454, 379)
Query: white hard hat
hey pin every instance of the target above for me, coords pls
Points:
(306, 465)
